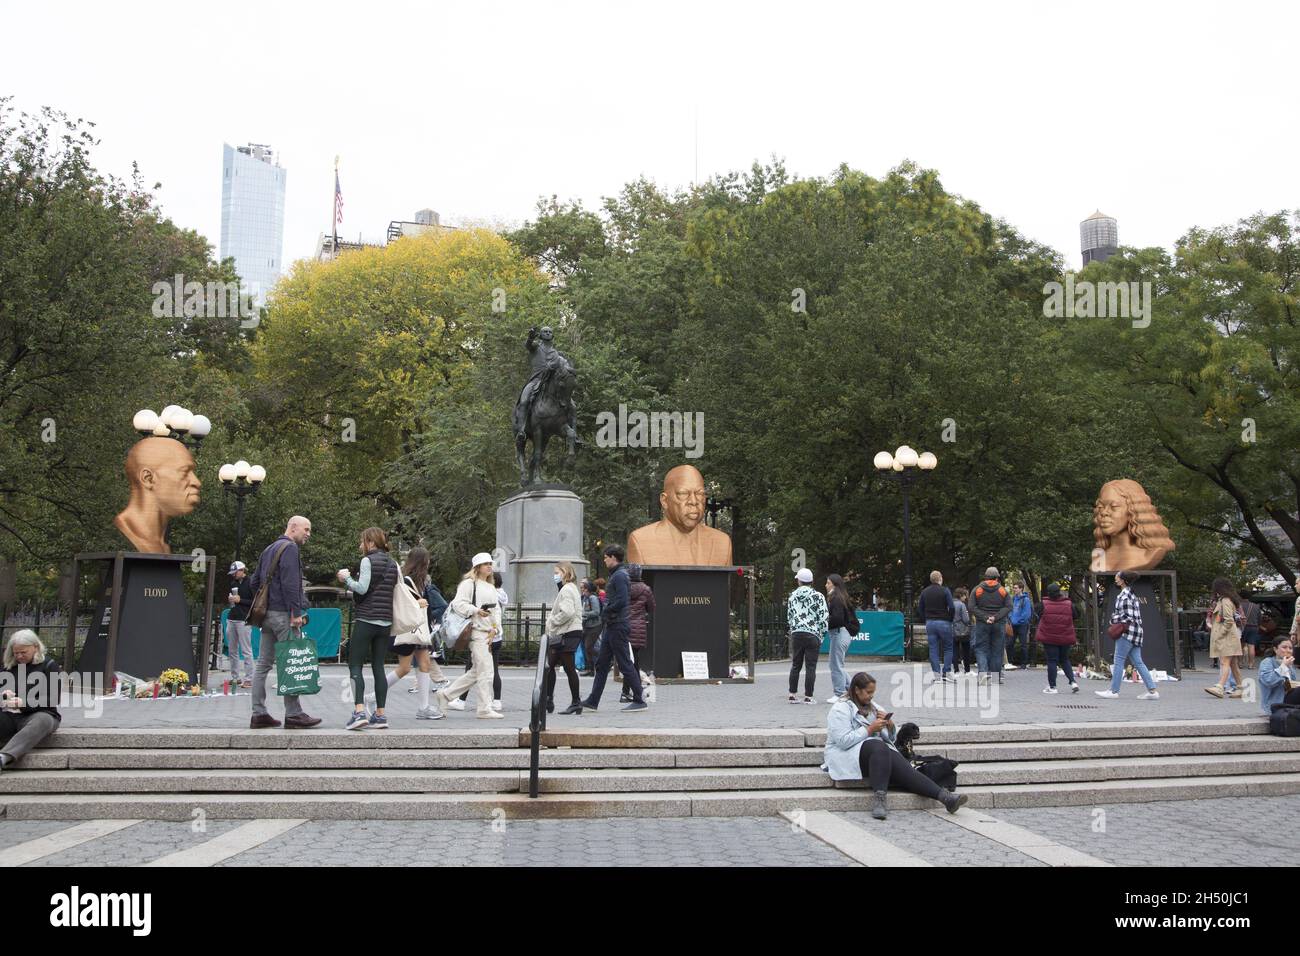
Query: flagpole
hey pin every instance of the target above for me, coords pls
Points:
(334, 207)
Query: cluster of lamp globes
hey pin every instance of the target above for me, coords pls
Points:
(905, 457)
(240, 472)
(174, 422)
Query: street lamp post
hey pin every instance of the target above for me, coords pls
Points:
(241, 480)
(907, 467)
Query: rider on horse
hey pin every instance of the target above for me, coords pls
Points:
(547, 362)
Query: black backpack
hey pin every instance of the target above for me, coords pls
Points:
(939, 769)
(851, 625)
(1285, 720)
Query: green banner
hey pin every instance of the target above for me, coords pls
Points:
(880, 634)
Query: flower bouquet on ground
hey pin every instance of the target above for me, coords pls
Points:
(176, 680)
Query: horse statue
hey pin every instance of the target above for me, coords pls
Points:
(545, 407)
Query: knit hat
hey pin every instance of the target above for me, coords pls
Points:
(1053, 591)
(992, 573)
(804, 576)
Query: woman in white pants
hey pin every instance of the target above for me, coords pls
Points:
(476, 599)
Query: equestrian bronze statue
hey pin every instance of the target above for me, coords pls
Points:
(545, 405)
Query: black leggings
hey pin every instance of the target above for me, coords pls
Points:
(558, 655)
(962, 654)
(372, 638)
(882, 765)
(496, 672)
(803, 652)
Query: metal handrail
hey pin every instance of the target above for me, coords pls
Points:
(537, 722)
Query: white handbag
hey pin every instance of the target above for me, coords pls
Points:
(410, 621)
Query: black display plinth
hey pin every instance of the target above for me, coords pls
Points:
(142, 620)
(692, 613)
(1156, 652)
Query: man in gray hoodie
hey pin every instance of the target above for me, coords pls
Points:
(990, 605)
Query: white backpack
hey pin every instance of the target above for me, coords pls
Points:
(410, 621)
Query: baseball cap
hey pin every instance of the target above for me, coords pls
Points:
(238, 566)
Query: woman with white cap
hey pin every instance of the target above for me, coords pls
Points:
(807, 615)
(476, 599)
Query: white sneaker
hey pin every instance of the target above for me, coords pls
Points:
(490, 715)
(1150, 695)
(1011, 667)
(831, 700)
(496, 705)
(429, 713)
(1050, 690)
(809, 700)
(1074, 688)
(457, 704)
(1108, 694)
(793, 699)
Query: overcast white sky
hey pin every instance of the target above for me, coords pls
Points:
(1162, 115)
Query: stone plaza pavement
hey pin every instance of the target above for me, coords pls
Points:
(1184, 833)
(761, 705)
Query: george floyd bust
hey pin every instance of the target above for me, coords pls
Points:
(1128, 529)
(680, 537)
(164, 485)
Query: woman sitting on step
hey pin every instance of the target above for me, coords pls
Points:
(29, 700)
(860, 745)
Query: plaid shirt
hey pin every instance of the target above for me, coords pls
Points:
(1128, 610)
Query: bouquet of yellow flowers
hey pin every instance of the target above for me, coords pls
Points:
(173, 675)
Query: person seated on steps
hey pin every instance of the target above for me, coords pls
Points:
(29, 711)
(1279, 679)
(861, 744)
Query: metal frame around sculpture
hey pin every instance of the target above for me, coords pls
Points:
(115, 604)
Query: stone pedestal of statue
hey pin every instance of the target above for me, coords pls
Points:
(536, 528)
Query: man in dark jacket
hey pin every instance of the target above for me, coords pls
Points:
(615, 644)
(990, 605)
(285, 609)
(934, 608)
(239, 633)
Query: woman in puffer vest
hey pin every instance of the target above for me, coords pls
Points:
(1056, 617)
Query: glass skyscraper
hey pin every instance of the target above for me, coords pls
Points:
(252, 215)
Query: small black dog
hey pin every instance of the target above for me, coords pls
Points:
(907, 734)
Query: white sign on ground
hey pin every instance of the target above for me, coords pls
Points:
(695, 665)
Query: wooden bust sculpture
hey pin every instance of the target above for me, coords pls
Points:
(164, 485)
(1128, 529)
(681, 537)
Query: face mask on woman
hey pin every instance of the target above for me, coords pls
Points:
(557, 579)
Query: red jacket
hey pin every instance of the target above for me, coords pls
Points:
(1056, 626)
(641, 603)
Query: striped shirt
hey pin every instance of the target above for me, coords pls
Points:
(1128, 610)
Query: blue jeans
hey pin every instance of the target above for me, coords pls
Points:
(938, 634)
(1020, 641)
(1124, 649)
(988, 641)
(840, 640)
(615, 647)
